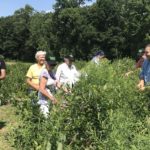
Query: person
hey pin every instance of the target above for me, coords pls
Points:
(2, 69)
(141, 58)
(47, 81)
(145, 72)
(98, 56)
(67, 73)
(34, 71)
(139, 61)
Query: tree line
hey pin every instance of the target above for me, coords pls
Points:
(118, 27)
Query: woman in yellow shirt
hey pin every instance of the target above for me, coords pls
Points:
(34, 71)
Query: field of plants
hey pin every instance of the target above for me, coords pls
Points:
(105, 111)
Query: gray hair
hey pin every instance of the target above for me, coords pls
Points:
(38, 53)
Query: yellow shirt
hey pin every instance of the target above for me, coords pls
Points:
(34, 73)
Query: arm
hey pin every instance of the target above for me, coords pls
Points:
(3, 70)
(139, 63)
(76, 74)
(29, 76)
(43, 90)
(128, 73)
(58, 73)
(59, 85)
(141, 85)
(3, 74)
(141, 82)
(34, 86)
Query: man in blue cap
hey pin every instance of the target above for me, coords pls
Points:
(98, 56)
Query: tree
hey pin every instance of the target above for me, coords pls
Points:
(62, 4)
(21, 21)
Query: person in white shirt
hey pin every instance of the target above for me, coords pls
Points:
(67, 73)
(98, 56)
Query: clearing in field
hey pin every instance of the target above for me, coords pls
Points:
(8, 121)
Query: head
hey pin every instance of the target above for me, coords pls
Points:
(40, 57)
(50, 65)
(147, 51)
(100, 54)
(144, 55)
(68, 60)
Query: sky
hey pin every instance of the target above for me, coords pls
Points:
(8, 7)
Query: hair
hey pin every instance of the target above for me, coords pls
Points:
(39, 53)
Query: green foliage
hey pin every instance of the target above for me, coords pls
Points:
(14, 85)
(105, 111)
(62, 4)
(118, 27)
(80, 64)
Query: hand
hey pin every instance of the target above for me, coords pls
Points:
(54, 101)
(128, 73)
(141, 86)
(57, 83)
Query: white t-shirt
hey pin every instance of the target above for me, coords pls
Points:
(66, 74)
(95, 60)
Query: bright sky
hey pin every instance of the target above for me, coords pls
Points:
(8, 7)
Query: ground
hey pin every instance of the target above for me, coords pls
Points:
(8, 121)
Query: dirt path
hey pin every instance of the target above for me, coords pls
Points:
(8, 121)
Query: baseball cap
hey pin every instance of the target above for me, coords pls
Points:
(52, 61)
(100, 53)
(70, 57)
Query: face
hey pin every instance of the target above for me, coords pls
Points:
(41, 59)
(144, 56)
(147, 52)
(100, 57)
(68, 62)
(49, 67)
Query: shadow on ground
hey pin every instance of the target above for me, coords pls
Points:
(2, 124)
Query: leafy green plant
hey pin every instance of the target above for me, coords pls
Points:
(14, 84)
(105, 111)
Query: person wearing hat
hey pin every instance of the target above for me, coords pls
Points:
(46, 80)
(98, 56)
(67, 73)
(2, 68)
(47, 85)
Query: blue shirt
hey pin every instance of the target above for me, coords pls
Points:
(145, 73)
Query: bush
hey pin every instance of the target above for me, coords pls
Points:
(14, 84)
(105, 111)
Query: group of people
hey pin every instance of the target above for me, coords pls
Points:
(41, 78)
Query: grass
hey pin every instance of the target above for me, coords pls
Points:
(8, 121)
